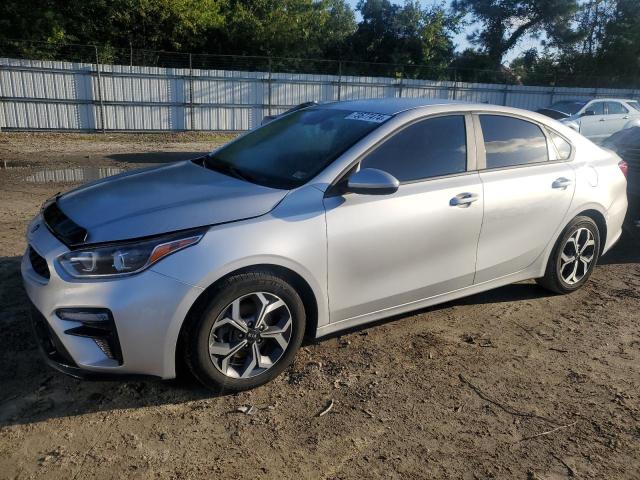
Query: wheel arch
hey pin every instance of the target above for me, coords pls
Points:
(296, 280)
(601, 223)
(592, 211)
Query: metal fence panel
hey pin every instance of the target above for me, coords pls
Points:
(55, 95)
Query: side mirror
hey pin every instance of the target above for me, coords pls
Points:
(371, 181)
(588, 113)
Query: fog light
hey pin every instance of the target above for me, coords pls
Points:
(97, 324)
(89, 315)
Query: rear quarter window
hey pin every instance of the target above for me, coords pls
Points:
(561, 147)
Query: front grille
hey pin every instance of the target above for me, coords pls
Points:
(38, 263)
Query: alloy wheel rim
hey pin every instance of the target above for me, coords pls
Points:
(577, 256)
(250, 335)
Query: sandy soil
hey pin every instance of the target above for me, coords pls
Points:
(514, 383)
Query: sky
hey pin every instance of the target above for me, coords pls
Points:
(460, 40)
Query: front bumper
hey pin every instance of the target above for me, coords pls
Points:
(148, 310)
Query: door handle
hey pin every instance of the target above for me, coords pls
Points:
(626, 117)
(601, 120)
(561, 183)
(463, 200)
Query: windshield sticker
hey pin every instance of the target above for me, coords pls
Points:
(368, 117)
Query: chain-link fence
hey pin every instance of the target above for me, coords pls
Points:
(152, 58)
(98, 88)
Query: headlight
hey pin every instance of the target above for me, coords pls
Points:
(125, 258)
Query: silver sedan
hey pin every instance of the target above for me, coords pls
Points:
(324, 219)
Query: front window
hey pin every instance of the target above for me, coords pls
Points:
(291, 150)
(570, 107)
(429, 148)
(597, 108)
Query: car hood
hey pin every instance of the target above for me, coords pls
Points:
(163, 199)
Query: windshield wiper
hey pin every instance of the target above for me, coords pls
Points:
(213, 163)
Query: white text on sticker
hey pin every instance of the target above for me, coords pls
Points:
(368, 117)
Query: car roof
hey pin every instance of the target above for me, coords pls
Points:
(613, 99)
(393, 106)
(390, 106)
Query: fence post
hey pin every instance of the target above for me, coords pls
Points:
(455, 84)
(339, 79)
(399, 86)
(191, 112)
(506, 94)
(269, 87)
(100, 90)
(1, 109)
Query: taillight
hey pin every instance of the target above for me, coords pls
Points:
(624, 167)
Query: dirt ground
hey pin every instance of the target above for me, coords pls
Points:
(515, 383)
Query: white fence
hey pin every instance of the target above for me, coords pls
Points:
(50, 95)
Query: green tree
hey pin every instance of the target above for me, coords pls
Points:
(504, 22)
(533, 68)
(404, 34)
(292, 28)
(619, 53)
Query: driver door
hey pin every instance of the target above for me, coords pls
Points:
(390, 250)
(594, 126)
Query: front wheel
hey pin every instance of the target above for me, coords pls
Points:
(248, 334)
(573, 257)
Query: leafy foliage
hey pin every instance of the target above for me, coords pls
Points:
(580, 39)
(505, 22)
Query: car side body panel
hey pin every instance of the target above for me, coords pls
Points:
(521, 208)
(403, 247)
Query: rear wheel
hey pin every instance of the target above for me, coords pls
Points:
(248, 334)
(574, 257)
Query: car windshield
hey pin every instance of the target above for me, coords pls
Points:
(291, 150)
(568, 106)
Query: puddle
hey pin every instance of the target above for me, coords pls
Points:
(70, 175)
(12, 165)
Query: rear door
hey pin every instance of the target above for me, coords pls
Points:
(390, 250)
(528, 187)
(594, 126)
(617, 117)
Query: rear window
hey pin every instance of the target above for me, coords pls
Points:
(634, 104)
(568, 106)
(616, 108)
(511, 141)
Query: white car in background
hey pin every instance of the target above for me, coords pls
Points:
(596, 119)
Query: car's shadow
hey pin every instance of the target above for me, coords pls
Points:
(32, 392)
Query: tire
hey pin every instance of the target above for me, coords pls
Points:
(564, 275)
(233, 316)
